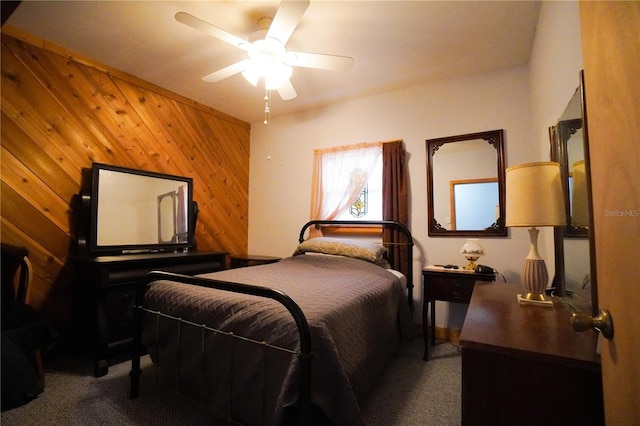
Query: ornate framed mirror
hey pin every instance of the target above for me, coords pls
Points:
(568, 149)
(465, 185)
(573, 244)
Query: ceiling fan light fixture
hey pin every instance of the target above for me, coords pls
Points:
(252, 74)
(267, 60)
(276, 74)
(268, 57)
(291, 58)
(268, 49)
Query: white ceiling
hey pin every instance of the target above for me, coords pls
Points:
(395, 44)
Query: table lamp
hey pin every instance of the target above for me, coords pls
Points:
(472, 251)
(534, 198)
(579, 205)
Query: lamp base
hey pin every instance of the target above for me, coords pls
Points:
(471, 266)
(536, 299)
(534, 280)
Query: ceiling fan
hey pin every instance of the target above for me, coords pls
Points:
(267, 56)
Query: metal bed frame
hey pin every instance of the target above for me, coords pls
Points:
(304, 354)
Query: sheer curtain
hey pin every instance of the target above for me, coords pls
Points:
(333, 187)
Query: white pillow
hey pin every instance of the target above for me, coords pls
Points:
(358, 249)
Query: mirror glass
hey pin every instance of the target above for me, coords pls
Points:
(137, 210)
(465, 185)
(569, 146)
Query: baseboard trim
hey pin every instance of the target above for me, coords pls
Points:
(448, 334)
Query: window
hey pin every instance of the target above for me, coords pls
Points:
(347, 183)
(383, 166)
(368, 205)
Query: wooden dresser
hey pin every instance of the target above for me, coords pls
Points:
(105, 288)
(525, 365)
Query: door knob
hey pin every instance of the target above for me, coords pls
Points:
(603, 323)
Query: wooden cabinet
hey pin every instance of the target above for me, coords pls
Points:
(447, 285)
(525, 365)
(105, 289)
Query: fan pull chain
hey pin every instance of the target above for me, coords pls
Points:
(267, 110)
(267, 116)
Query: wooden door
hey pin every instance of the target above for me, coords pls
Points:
(611, 54)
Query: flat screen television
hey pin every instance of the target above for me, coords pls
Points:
(136, 211)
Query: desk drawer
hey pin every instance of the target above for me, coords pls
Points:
(450, 289)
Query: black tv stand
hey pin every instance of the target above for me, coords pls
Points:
(105, 291)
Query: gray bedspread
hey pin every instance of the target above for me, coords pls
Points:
(357, 313)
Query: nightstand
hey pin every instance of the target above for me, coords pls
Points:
(240, 261)
(449, 285)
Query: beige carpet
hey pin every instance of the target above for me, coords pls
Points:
(410, 392)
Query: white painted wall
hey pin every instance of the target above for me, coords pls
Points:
(555, 64)
(279, 187)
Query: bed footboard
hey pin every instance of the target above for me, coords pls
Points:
(305, 354)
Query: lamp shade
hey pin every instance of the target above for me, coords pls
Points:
(579, 205)
(472, 251)
(534, 195)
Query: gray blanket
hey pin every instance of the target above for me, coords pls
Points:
(357, 313)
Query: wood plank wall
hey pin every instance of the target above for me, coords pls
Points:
(60, 113)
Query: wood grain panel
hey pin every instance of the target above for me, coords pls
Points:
(611, 51)
(47, 168)
(61, 112)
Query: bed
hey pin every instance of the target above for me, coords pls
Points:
(299, 341)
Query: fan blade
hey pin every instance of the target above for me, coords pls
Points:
(286, 91)
(227, 71)
(319, 60)
(212, 30)
(286, 19)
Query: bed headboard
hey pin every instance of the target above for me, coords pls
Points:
(407, 269)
